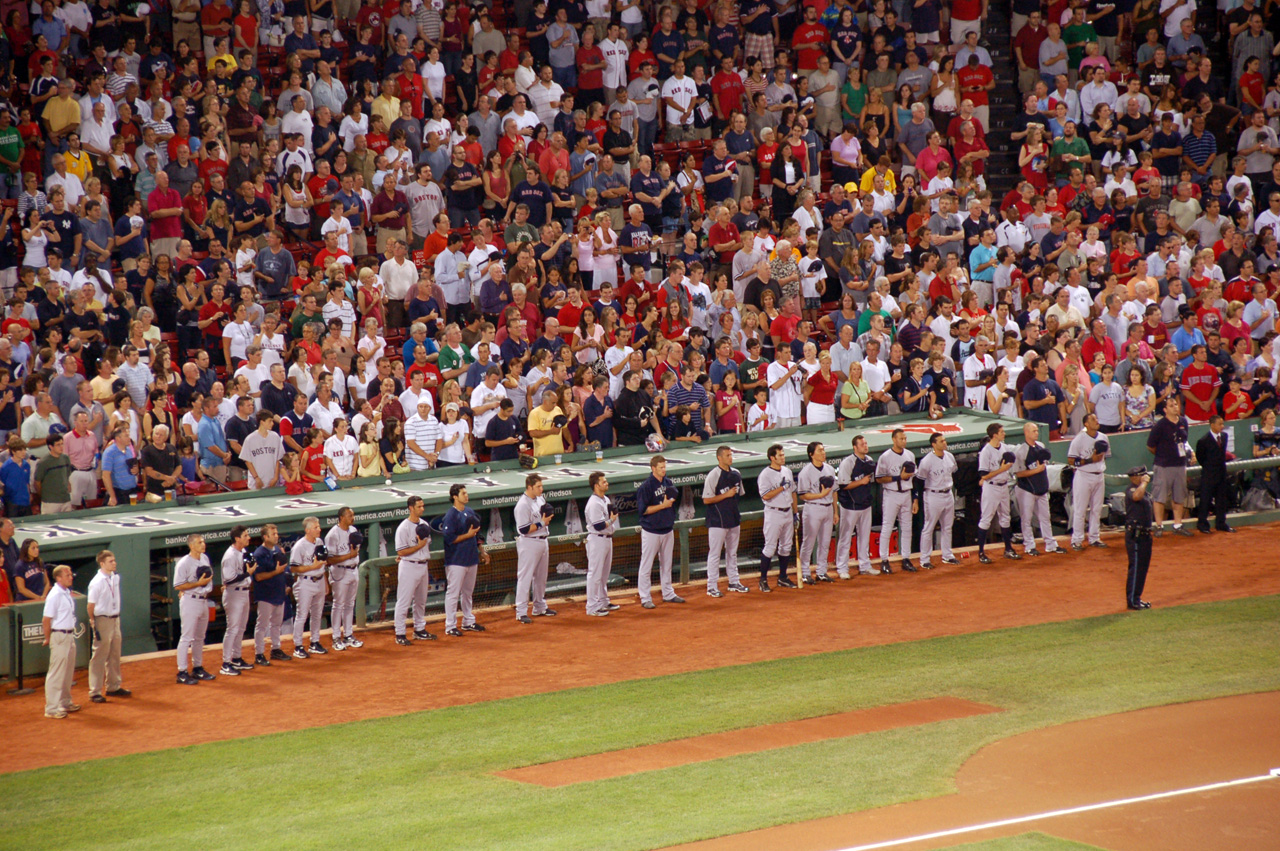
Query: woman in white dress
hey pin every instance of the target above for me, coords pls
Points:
(354, 124)
(604, 252)
(454, 443)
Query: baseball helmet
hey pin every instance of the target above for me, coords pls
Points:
(653, 443)
(909, 467)
(560, 421)
(646, 412)
(1101, 446)
(355, 538)
(825, 482)
(528, 461)
(1008, 457)
(424, 531)
(322, 552)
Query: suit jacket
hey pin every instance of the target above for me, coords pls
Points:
(1212, 457)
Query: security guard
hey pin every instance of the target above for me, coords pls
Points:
(1088, 453)
(995, 460)
(816, 486)
(854, 478)
(777, 490)
(193, 580)
(413, 547)
(237, 576)
(103, 598)
(1031, 477)
(656, 501)
(935, 474)
(58, 625)
(721, 491)
(894, 471)
(1138, 516)
(463, 553)
(602, 521)
(270, 581)
(343, 545)
(533, 517)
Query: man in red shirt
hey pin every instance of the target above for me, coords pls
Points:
(971, 149)
(1098, 341)
(966, 16)
(1201, 384)
(323, 186)
(1154, 331)
(975, 81)
(1026, 47)
(729, 91)
(409, 87)
(725, 238)
(164, 206)
(783, 329)
(809, 42)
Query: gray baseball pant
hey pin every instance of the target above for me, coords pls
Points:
(895, 508)
(854, 520)
(531, 575)
(343, 615)
(460, 585)
(1029, 507)
(309, 596)
(779, 526)
(270, 617)
(995, 504)
(719, 538)
(939, 510)
(599, 563)
(815, 533)
(1087, 491)
(194, 612)
(235, 602)
(412, 581)
(653, 545)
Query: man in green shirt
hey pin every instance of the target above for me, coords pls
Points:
(11, 148)
(53, 479)
(520, 230)
(1077, 33)
(305, 315)
(1070, 152)
(454, 357)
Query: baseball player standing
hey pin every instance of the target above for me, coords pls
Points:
(343, 545)
(1088, 453)
(533, 519)
(237, 576)
(307, 561)
(721, 491)
(413, 543)
(656, 502)
(463, 552)
(602, 522)
(269, 583)
(894, 471)
(856, 473)
(193, 580)
(935, 473)
(103, 599)
(59, 627)
(1031, 476)
(995, 460)
(777, 489)
(815, 488)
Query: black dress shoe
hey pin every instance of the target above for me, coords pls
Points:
(1204, 530)
(885, 567)
(119, 692)
(784, 582)
(1139, 605)
(1225, 529)
(984, 558)
(97, 698)
(1012, 556)
(402, 641)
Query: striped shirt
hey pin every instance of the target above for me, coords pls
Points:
(1198, 150)
(695, 398)
(423, 432)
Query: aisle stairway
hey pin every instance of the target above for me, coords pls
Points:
(1002, 166)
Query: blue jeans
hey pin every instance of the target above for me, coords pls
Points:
(646, 135)
(567, 76)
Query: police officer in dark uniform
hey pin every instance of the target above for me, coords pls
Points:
(1138, 516)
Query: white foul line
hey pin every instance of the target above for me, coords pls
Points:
(1122, 802)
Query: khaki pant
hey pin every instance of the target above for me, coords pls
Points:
(168, 245)
(55, 507)
(106, 655)
(1027, 79)
(84, 485)
(827, 121)
(385, 234)
(62, 670)
(359, 243)
(746, 181)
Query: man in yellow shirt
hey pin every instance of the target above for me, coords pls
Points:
(387, 104)
(77, 158)
(61, 118)
(546, 431)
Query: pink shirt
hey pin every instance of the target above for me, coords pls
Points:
(80, 449)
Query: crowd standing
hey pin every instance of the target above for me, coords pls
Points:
(294, 243)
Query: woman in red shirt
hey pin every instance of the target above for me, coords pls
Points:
(313, 457)
(591, 67)
(640, 52)
(195, 209)
(820, 391)
(674, 326)
(244, 30)
(729, 405)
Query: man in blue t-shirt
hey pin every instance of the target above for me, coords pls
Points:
(1040, 398)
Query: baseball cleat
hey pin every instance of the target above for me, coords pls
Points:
(262, 660)
(599, 613)
(843, 574)
(613, 607)
(185, 679)
(472, 627)
(885, 567)
(339, 645)
(524, 619)
(423, 635)
(784, 582)
(354, 642)
(455, 632)
(950, 560)
(1012, 555)
(201, 674)
(402, 641)
(318, 649)
(279, 655)
(546, 613)
(714, 592)
(242, 664)
(648, 604)
(1099, 544)
(984, 558)
(739, 588)
(301, 653)
(229, 670)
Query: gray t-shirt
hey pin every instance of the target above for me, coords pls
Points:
(639, 89)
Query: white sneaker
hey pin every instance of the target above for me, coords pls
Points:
(339, 645)
(843, 574)
(870, 571)
(601, 613)
(352, 641)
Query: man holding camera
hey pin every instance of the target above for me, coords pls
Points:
(994, 463)
(533, 520)
(413, 542)
(979, 368)
(343, 545)
(307, 561)
(237, 576)
(463, 552)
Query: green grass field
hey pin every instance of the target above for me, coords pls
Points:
(423, 780)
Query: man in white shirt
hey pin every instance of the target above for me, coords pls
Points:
(399, 277)
(785, 382)
(616, 54)
(876, 374)
(678, 94)
(104, 605)
(1098, 90)
(337, 224)
(544, 96)
(58, 627)
(325, 409)
(486, 399)
(255, 371)
(451, 276)
(415, 393)
(421, 434)
(261, 452)
(975, 382)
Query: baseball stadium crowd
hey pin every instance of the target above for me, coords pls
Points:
(285, 243)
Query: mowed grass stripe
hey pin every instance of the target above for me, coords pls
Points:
(422, 780)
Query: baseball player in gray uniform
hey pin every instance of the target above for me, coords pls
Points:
(656, 503)
(721, 491)
(193, 580)
(854, 478)
(995, 460)
(533, 517)
(307, 559)
(935, 472)
(1031, 480)
(895, 469)
(1088, 453)
(816, 489)
(413, 546)
(343, 544)
(777, 489)
(602, 522)
(237, 576)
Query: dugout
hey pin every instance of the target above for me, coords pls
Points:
(147, 539)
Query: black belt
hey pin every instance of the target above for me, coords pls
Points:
(105, 616)
(933, 490)
(235, 587)
(343, 566)
(67, 631)
(900, 490)
(312, 578)
(598, 535)
(85, 470)
(199, 596)
(772, 508)
(819, 504)
(412, 561)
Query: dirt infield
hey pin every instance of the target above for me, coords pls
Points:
(678, 752)
(575, 650)
(1088, 762)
